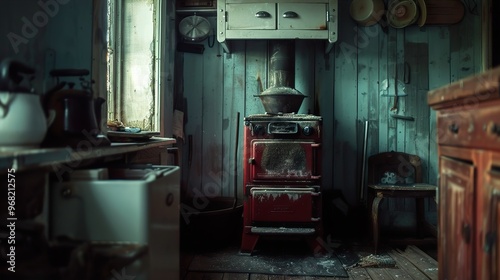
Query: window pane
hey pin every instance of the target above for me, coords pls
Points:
(134, 56)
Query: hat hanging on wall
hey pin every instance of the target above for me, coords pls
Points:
(423, 13)
(194, 28)
(367, 12)
(402, 13)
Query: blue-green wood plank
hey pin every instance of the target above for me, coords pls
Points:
(255, 75)
(193, 92)
(304, 75)
(345, 108)
(368, 94)
(234, 97)
(324, 86)
(214, 181)
(439, 75)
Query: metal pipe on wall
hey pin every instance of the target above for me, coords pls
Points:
(282, 63)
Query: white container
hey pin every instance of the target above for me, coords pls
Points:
(22, 120)
(135, 204)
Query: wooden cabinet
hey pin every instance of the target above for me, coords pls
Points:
(468, 137)
(456, 207)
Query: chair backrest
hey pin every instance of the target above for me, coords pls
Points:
(394, 168)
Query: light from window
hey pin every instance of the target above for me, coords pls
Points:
(132, 34)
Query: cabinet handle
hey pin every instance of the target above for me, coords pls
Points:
(290, 14)
(466, 232)
(262, 14)
(169, 200)
(490, 236)
(453, 128)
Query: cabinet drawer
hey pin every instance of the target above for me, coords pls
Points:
(455, 128)
(251, 16)
(487, 121)
(311, 16)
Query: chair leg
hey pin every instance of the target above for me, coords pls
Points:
(420, 211)
(375, 226)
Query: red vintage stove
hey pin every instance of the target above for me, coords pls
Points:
(282, 189)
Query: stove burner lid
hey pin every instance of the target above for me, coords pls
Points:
(283, 117)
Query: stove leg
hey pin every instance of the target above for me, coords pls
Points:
(248, 242)
(318, 246)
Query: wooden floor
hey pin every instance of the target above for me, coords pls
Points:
(411, 263)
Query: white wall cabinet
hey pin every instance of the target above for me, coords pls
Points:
(238, 19)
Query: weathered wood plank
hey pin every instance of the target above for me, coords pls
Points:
(234, 97)
(439, 74)
(258, 277)
(345, 107)
(400, 126)
(358, 273)
(377, 273)
(422, 261)
(214, 165)
(396, 273)
(236, 276)
(304, 76)
(321, 278)
(368, 94)
(193, 128)
(384, 102)
(204, 276)
(288, 277)
(406, 265)
(256, 67)
(324, 85)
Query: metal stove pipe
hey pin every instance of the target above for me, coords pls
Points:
(282, 63)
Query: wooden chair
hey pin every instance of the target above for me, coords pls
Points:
(398, 175)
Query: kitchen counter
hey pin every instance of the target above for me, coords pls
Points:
(21, 160)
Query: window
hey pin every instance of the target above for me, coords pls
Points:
(133, 57)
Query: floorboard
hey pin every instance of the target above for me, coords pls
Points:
(411, 263)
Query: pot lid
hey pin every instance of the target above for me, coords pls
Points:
(194, 28)
(402, 13)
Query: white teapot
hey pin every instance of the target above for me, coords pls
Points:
(23, 123)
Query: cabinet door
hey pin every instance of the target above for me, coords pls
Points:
(456, 219)
(259, 16)
(302, 16)
(491, 224)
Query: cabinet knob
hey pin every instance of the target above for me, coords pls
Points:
(453, 128)
(290, 14)
(466, 232)
(66, 192)
(494, 129)
(262, 14)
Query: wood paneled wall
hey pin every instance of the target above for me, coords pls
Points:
(345, 87)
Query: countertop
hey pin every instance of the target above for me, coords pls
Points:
(26, 159)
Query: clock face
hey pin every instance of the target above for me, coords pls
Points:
(194, 28)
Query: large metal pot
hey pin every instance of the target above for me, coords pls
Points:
(277, 100)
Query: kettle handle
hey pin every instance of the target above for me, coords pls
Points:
(9, 72)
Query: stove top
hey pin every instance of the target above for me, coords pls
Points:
(283, 117)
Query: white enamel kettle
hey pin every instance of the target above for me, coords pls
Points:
(23, 123)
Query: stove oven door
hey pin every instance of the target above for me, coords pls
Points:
(275, 160)
(284, 204)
